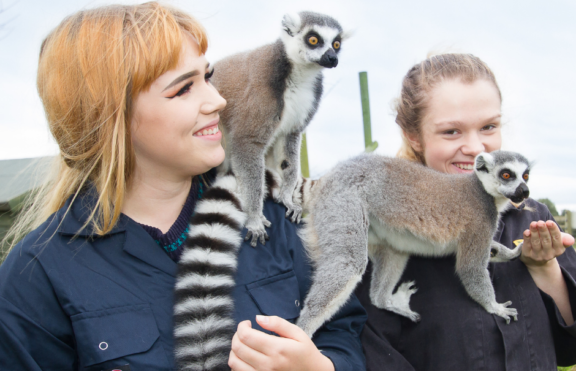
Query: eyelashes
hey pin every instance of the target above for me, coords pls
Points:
(209, 74)
(186, 88)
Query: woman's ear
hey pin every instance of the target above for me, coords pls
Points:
(414, 141)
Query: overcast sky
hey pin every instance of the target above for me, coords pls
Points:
(531, 46)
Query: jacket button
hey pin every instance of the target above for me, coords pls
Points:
(103, 345)
(297, 303)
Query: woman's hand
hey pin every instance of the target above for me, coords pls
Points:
(543, 242)
(254, 350)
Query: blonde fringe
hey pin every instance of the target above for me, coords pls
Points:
(91, 68)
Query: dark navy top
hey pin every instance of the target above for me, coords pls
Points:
(456, 333)
(104, 303)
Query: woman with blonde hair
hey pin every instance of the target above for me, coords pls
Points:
(449, 111)
(127, 95)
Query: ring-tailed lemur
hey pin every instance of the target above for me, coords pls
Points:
(203, 308)
(387, 209)
(272, 93)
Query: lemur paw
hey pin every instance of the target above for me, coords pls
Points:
(256, 230)
(296, 212)
(504, 312)
(399, 302)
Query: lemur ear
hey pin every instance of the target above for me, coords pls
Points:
(483, 162)
(291, 23)
(346, 34)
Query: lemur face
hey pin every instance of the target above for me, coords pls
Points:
(504, 174)
(312, 38)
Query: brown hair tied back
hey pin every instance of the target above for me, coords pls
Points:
(418, 83)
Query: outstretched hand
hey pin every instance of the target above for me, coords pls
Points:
(254, 350)
(543, 242)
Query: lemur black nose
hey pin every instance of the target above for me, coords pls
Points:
(522, 191)
(329, 59)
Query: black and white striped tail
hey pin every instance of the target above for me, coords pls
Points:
(203, 308)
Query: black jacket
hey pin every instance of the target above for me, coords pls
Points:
(99, 303)
(456, 333)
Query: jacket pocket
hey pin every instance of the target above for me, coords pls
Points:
(277, 296)
(115, 333)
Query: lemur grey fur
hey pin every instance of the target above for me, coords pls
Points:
(387, 209)
(272, 93)
(203, 308)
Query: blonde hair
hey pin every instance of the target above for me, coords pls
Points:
(91, 68)
(418, 83)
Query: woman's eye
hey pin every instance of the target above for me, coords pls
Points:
(488, 127)
(185, 89)
(451, 132)
(209, 75)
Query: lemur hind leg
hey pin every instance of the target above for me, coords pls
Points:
(291, 171)
(340, 257)
(387, 268)
(471, 267)
(248, 167)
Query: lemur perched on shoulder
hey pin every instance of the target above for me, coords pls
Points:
(272, 93)
(387, 209)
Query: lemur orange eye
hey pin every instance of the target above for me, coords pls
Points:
(336, 44)
(525, 176)
(313, 40)
(506, 175)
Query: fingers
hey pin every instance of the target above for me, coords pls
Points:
(567, 240)
(543, 241)
(236, 364)
(282, 328)
(255, 340)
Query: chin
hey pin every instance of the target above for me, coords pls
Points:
(215, 157)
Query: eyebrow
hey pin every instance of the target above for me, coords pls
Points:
(458, 123)
(181, 78)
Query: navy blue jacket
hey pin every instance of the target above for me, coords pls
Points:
(101, 303)
(456, 333)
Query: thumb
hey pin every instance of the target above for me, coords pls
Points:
(567, 240)
(282, 327)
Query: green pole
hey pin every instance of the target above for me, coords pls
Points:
(368, 144)
(304, 158)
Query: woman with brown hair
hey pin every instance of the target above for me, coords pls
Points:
(449, 111)
(128, 98)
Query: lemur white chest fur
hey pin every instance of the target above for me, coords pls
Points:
(299, 102)
(387, 209)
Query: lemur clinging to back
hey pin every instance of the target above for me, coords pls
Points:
(387, 209)
(272, 93)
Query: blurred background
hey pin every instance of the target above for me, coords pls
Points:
(531, 47)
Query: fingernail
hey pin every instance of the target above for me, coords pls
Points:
(262, 319)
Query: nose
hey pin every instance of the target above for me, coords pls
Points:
(213, 101)
(522, 192)
(473, 145)
(329, 59)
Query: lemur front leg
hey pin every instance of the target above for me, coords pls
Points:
(248, 167)
(500, 253)
(291, 172)
(471, 267)
(388, 265)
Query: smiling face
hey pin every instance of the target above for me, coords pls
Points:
(175, 123)
(461, 121)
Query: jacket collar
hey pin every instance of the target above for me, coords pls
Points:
(137, 243)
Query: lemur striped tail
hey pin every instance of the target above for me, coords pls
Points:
(203, 308)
